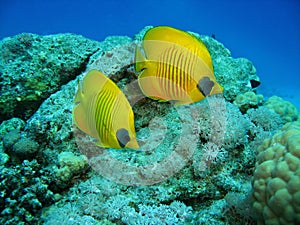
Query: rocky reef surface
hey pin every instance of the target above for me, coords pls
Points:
(195, 164)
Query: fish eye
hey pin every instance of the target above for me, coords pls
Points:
(205, 86)
(123, 137)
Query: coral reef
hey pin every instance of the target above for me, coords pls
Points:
(24, 192)
(32, 67)
(195, 163)
(276, 178)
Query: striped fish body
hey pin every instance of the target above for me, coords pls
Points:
(103, 112)
(173, 66)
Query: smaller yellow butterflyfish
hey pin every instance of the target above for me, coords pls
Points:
(102, 111)
(175, 66)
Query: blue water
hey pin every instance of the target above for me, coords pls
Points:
(266, 32)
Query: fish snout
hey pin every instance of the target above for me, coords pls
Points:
(133, 144)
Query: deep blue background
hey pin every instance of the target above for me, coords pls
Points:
(265, 31)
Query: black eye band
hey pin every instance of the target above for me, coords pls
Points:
(123, 137)
(205, 86)
(254, 83)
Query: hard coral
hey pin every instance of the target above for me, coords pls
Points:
(9, 125)
(32, 67)
(276, 179)
(285, 109)
(248, 100)
(18, 146)
(25, 148)
(69, 165)
(24, 192)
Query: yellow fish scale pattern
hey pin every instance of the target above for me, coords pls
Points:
(173, 69)
(104, 113)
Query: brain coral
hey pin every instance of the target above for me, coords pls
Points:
(276, 182)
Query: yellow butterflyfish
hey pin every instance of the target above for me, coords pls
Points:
(176, 66)
(102, 111)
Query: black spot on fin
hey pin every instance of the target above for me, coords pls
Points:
(205, 85)
(123, 137)
(254, 83)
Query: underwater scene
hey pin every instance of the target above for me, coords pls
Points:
(149, 113)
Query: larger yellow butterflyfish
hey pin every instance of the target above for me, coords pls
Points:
(102, 111)
(176, 66)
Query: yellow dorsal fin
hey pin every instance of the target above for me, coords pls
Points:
(78, 111)
(139, 60)
(78, 95)
(93, 82)
(79, 119)
(178, 37)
